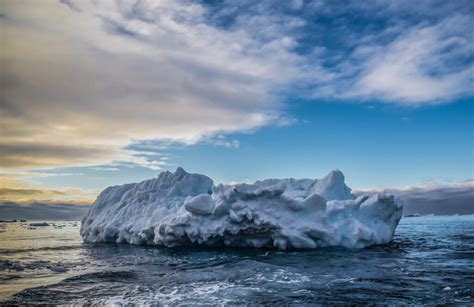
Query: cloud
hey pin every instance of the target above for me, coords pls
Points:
(434, 198)
(82, 80)
(107, 169)
(424, 65)
(147, 161)
(81, 83)
(148, 153)
(17, 187)
(221, 140)
(403, 52)
(28, 195)
(12, 192)
(37, 153)
(43, 211)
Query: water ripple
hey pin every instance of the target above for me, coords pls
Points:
(429, 262)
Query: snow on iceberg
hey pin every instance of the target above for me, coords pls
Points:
(180, 209)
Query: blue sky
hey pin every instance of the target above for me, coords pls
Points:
(117, 91)
(375, 145)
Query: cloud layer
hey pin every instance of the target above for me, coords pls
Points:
(43, 211)
(82, 79)
(434, 199)
(424, 65)
(430, 199)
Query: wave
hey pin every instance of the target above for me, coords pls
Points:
(39, 249)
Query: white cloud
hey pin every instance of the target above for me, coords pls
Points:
(81, 80)
(221, 140)
(108, 169)
(420, 66)
(86, 78)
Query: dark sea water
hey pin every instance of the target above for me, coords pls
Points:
(429, 261)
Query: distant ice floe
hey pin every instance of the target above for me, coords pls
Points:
(40, 224)
(181, 209)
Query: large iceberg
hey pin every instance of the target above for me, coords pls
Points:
(181, 209)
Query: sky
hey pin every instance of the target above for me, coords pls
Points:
(99, 93)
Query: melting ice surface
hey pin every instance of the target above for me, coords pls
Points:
(179, 209)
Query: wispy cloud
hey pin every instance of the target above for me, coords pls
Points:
(221, 140)
(28, 195)
(81, 80)
(426, 64)
(17, 187)
(108, 169)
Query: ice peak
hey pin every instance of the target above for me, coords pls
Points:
(180, 171)
(332, 186)
(334, 176)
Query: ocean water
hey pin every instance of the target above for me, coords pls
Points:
(429, 261)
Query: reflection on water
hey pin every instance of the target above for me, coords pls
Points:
(429, 261)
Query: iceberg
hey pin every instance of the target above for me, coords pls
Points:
(183, 209)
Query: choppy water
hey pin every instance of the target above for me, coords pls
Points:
(431, 260)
